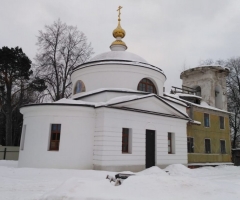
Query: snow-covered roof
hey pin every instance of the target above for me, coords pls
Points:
(118, 55)
(82, 94)
(203, 104)
(118, 62)
(71, 101)
(109, 102)
(216, 66)
(205, 67)
(123, 99)
(175, 101)
(117, 100)
(196, 122)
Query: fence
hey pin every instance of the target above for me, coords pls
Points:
(9, 153)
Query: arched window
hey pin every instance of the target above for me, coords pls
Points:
(147, 86)
(79, 87)
(198, 91)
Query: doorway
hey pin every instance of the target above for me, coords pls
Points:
(150, 148)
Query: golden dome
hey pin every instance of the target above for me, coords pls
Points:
(119, 31)
(119, 42)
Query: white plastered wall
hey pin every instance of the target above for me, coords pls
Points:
(117, 76)
(108, 139)
(76, 142)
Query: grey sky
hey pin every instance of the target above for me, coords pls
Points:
(170, 34)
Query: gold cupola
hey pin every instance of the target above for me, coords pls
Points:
(118, 33)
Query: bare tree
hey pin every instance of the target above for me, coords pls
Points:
(206, 62)
(233, 93)
(61, 48)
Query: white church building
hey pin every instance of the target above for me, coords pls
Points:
(117, 118)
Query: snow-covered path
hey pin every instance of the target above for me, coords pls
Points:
(206, 183)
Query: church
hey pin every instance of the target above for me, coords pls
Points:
(117, 119)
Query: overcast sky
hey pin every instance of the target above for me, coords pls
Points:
(169, 34)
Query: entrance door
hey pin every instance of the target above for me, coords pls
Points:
(150, 148)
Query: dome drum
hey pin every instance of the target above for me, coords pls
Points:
(117, 75)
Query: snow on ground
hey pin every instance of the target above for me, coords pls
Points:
(174, 182)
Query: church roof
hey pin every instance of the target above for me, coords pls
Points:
(203, 104)
(101, 90)
(118, 55)
(111, 103)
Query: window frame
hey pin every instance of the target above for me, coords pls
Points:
(192, 148)
(128, 145)
(83, 89)
(210, 151)
(146, 83)
(223, 123)
(170, 143)
(56, 132)
(224, 146)
(206, 114)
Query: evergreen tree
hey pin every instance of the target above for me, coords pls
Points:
(14, 72)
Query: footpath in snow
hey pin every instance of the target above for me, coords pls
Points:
(174, 182)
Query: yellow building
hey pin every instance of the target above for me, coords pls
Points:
(208, 134)
(208, 142)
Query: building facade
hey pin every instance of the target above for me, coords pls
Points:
(209, 142)
(208, 136)
(117, 118)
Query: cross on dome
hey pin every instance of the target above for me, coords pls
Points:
(119, 12)
(118, 33)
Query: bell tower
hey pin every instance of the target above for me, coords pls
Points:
(209, 83)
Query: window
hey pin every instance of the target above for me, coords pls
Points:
(206, 120)
(169, 143)
(222, 146)
(198, 91)
(23, 137)
(55, 137)
(125, 140)
(79, 87)
(207, 146)
(221, 120)
(147, 86)
(190, 145)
